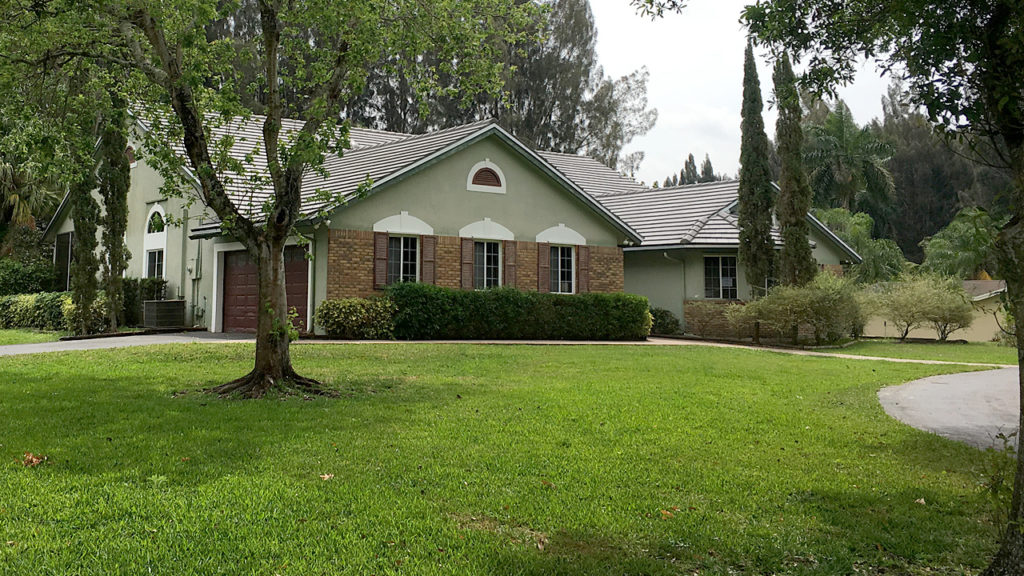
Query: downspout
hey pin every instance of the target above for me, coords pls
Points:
(184, 253)
(312, 284)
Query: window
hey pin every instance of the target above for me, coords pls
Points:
(403, 259)
(486, 265)
(563, 270)
(720, 277)
(156, 223)
(155, 264)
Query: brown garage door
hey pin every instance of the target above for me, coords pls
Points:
(241, 286)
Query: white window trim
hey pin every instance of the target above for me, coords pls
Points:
(486, 229)
(562, 234)
(216, 309)
(419, 254)
(163, 264)
(501, 261)
(403, 223)
(572, 250)
(155, 240)
(486, 163)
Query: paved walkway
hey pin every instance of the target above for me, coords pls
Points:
(971, 407)
(119, 342)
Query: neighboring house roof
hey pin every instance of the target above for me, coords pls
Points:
(590, 175)
(693, 215)
(984, 289)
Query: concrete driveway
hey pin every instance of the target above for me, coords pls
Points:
(121, 342)
(972, 407)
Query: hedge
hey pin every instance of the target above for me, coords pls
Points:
(18, 278)
(47, 311)
(427, 312)
(357, 318)
(664, 322)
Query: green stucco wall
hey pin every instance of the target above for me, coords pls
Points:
(437, 195)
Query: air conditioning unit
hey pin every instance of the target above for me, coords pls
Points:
(163, 313)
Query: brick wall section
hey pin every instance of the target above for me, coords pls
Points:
(449, 261)
(526, 266)
(350, 265)
(606, 270)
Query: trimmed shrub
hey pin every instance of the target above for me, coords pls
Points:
(828, 306)
(42, 311)
(99, 320)
(426, 312)
(18, 278)
(701, 316)
(664, 322)
(740, 319)
(357, 318)
(951, 309)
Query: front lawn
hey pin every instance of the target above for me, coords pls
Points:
(980, 352)
(8, 337)
(471, 459)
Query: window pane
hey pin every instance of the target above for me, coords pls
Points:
(712, 279)
(409, 259)
(729, 277)
(394, 260)
(492, 265)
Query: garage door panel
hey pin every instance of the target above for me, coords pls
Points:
(241, 289)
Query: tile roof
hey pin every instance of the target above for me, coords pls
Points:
(694, 214)
(592, 176)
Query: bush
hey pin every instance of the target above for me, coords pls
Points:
(664, 322)
(42, 311)
(828, 306)
(926, 299)
(18, 278)
(99, 321)
(357, 318)
(426, 312)
(701, 316)
(740, 319)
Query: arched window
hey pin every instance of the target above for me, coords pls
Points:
(155, 243)
(156, 223)
(487, 177)
(130, 153)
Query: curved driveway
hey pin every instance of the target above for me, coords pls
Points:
(971, 407)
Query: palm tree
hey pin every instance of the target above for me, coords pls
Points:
(24, 195)
(847, 165)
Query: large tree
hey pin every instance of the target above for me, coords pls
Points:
(319, 52)
(964, 63)
(796, 262)
(756, 193)
(557, 97)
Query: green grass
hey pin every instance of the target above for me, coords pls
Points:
(27, 337)
(980, 352)
(468, 459)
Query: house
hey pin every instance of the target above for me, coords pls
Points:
(986, 299)
(469, 207)
(690, 244)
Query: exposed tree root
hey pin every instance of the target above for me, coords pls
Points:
(257, 384)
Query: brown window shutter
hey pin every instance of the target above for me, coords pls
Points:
(582, 269)
(428, 259)
(543, 267)
(467, 264)
(380, 260)
(508, 248)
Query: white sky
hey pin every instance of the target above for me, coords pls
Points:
(696, 63)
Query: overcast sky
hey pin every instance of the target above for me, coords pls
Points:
(696, 65)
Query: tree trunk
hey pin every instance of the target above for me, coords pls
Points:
(274, 333)
(1009, 561)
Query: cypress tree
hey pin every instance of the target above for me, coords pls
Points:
(796, 262)
(690, 170)
(757, 249)
(114, 174)
(667, 183)
(675, 180)
(707, 171)
(85, 213)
